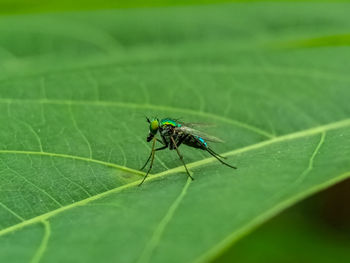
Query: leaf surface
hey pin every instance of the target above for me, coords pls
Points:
(75, 88)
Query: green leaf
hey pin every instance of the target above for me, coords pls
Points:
(293, 230)
(75, 88)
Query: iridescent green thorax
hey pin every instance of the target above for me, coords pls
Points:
(169, 122)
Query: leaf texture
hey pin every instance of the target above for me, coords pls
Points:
(74, 90)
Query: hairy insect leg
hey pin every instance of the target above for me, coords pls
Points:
(150, 155)
(181, 158)
(216, 156)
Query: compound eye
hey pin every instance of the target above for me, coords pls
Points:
(154, 126)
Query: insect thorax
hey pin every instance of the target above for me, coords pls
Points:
(166, 131)
(169, 122)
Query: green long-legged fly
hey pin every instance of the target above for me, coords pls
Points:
(174, 133)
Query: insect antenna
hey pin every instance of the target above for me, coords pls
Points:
(147, 119)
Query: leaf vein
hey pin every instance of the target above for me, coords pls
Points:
(11, 211)
(123, 168)
(144, 106)
(31, 129)
(158, 232)
(80, 131)
(68, 179)
(260, 219)
(43, 245)
(312, 158)
(35, 186)
(304, 133)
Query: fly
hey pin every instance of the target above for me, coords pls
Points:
(173, 134)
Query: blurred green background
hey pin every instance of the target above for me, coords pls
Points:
(30, 6)
(316, 230)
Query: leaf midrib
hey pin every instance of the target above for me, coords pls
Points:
(263, 217)
(75, 157)
(291, 136)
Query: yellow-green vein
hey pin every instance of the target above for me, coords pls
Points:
(158, 232)
(263, 217)
(123, 168)
(11, 212)
(305, 133)
(43, 245)
(311, 161)
(302, 176)
(75, 124)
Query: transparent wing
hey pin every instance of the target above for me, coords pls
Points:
(195, 125)
(206, 137)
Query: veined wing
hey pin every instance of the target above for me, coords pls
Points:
(206, 137)
(195, 125)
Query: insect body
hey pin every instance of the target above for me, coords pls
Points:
(173, 134)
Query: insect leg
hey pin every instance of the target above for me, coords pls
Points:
(150, 155)
(182, 140)
(216, 156)
(223, 157)
(180, 156)
(160, 141)
(152, 159)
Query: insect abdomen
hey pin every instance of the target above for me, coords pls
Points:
(196, 142)
(202, 141)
